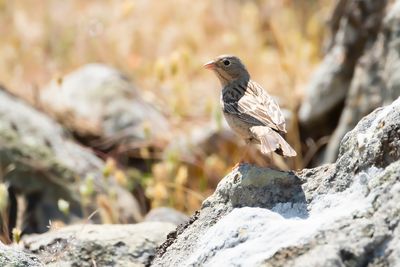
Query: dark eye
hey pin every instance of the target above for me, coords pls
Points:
(226, 62)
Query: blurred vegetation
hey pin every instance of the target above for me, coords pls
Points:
(162, 45)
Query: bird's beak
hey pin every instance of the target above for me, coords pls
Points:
(209, 65)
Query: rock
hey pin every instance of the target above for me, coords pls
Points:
(41, 162)
(375, 81)
(341, 214)
(354, 26)
(248, 186)
(15, 257)
(99, 245)
(98, 101)
(165, 214)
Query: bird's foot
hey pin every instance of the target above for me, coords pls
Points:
(237, 165)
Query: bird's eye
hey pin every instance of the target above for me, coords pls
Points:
(226, 62)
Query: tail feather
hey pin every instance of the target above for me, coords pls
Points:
(272, 141)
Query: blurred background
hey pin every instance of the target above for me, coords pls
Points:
(107, 114)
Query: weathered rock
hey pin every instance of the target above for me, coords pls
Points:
(41, 162)
(99, 245)
(355, 25)
(165, 214)
(98, 101)
(342, 214)
(15, 257)
(375, 82)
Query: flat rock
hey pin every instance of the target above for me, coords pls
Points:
(99, 245)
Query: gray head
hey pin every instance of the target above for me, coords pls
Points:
(228, 69)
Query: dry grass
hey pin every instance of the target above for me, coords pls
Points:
(162, 45)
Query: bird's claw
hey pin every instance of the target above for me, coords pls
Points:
(237, 165)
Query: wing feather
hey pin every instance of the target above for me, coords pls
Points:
(257, 107)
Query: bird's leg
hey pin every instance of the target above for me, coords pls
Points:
(244, 155)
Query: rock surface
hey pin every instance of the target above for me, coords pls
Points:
(98, 101)
(14, 257)
(347, 211)
(99, 245)
(40, 161)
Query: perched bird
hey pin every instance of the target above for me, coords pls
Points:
(249, 110)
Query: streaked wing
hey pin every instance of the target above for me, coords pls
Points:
(257, 107)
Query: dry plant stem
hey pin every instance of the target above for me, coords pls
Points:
(279, 162)
(294, 136)
(5, 237)
(21, 204)
(187, 190)
(314, 147)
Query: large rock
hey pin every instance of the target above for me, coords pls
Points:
(376, 80)
(98, 101)
(41, 162)
(354, 27)
(341, 214)
(99, 245)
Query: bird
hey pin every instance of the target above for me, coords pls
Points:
(248, 109)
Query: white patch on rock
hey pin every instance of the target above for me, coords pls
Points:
(247, 236)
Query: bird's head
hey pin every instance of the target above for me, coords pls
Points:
(228, 69)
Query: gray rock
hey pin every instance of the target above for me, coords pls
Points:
(355, 24)
(246, 187)
(375, 82)
(165, 214)
(15, 257)
(40, 161)
(341, 214)
(98, 101)
(99, 245)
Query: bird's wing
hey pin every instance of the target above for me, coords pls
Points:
(257, 106)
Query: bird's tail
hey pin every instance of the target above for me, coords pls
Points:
(272, 141)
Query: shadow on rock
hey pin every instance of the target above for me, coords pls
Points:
(278, 191)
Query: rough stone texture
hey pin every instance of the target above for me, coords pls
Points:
(375, 82)
(15, 257)
(40, 161)
(341, 214)
(98, 101)
(354, 26)
(99, 245)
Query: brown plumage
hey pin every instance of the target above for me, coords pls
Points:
(248, 109)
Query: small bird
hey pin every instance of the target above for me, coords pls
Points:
(249, 110)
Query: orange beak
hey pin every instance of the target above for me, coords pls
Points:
(209, 65)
